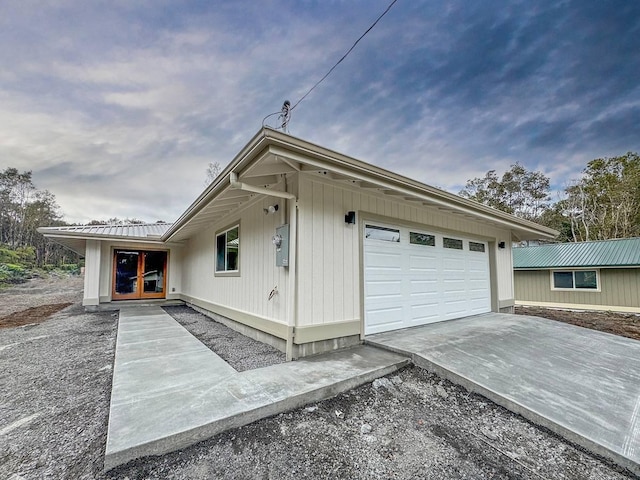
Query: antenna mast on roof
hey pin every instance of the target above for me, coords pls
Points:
(285, 115)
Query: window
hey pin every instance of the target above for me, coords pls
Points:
(575, 280)
(452, 243)
(373, 232)
(476, 247)
(422, 239)
(227, 250)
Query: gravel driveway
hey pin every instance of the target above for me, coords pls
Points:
(56, 379)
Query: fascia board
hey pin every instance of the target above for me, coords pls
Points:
(310, 154)
(331, 159)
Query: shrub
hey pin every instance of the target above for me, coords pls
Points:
(11, 273)
(72, 268)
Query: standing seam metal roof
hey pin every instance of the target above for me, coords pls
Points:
(133, 231)
(623, 252)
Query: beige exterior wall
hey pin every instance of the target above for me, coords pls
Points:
(619, 290)
(243, 297)
(174, 274)
(329, 275)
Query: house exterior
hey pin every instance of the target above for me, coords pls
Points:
(310, 250)
(600, 275)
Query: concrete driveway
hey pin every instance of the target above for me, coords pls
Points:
(582, 384)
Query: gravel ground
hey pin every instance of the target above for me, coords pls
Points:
(239, 351)
(623, 324)
(56, 379)
(41, 291)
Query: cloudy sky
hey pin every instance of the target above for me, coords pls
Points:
(118, 106)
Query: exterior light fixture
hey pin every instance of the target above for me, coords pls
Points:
(271, 209)
(350, 217)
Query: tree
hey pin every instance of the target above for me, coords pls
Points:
(213, 170)
(605, 202)
(23, 209)
(520, 192)
(15, 193)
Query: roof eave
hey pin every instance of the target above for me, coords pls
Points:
(266, 137)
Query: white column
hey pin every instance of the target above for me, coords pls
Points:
(92, 273)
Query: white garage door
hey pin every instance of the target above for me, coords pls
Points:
(413, 277)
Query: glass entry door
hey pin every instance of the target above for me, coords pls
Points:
(139, 274)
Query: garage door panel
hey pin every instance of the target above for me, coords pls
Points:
(423, 314)
(384, 319)
(415, 284)
(384, 288)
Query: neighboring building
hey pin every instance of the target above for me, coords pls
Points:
(310, 250)
(601, 275)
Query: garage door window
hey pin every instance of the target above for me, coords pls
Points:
(373, 232)
(575, 280)
(454, 243)
(476, 247)
(422, 239)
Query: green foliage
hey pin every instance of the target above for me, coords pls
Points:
(12, 273)
(605, 202)
(72, 268)
(520, 192)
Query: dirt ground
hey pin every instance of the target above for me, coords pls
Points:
(626, 325)
(54, 401)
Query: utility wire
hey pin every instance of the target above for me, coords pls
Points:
(345, 55)
(288, 115)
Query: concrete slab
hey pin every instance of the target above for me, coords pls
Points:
(170, 391)
(579, 383)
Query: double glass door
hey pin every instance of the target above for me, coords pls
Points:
(139, 274)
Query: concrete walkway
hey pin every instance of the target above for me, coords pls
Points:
(582, 384)
(170, 391)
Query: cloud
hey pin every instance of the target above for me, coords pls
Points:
(109, 104)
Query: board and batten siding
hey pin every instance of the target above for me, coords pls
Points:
(619, 287)
(329, 249)
(248, 292)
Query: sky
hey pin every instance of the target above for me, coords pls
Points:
(118, 107)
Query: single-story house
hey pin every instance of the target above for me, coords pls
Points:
(310, 250)
(599, 275)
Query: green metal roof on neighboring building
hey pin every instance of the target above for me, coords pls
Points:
(623, 252)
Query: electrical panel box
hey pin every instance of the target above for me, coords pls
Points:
(281, 241)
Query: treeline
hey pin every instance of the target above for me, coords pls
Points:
(23, 209)
(604, 203)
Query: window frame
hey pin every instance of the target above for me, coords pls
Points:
(431, 237)
(452, 246)
(226, 273)
(382, 228)
(482, 244)
(573, 280)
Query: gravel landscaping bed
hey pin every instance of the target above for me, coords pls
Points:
(239, 351)
(54, 401)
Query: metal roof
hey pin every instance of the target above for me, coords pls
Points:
(128, 231)
(622, 252)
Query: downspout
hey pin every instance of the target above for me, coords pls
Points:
(293, 251)
(293, 270)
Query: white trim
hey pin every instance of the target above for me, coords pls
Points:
(598, 288)
(225, 272)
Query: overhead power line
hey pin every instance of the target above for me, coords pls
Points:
(334, 66)
(346, 54)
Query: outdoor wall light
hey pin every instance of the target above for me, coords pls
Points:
(350, 217)
(271, 209)
(502, 244)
